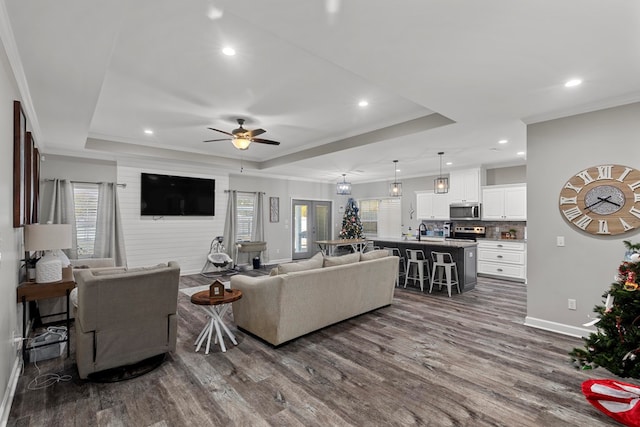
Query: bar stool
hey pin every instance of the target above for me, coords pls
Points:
(402, 267)
(416, 257)
(443, 264)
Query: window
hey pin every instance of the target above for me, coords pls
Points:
(369, 216)
(245, 214)
(380, 217)
(85, 198)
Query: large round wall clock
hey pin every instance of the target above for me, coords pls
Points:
(603, 200)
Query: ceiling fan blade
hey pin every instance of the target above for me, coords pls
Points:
(265, 141)
(214, 140)
(256, 132)
(221, 131)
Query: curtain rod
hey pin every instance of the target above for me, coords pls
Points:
(248, 192)
(89, 182)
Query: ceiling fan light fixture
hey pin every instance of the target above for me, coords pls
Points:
(395, 188)
(343, 188)
(241, 143)
(441, 184)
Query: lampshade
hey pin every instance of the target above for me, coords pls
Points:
(241, 143)
(395, 188)
(344, 187)
(50, 238)
(44, 237)
(441, 184)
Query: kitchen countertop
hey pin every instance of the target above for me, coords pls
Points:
(431, 241)
(488, 239)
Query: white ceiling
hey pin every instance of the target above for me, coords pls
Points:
(463, 74)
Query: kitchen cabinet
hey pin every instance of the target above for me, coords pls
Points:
(504, 203)
(503, 259)
(464, 186)
(432, 206)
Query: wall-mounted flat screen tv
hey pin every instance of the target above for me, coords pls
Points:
(167, 195)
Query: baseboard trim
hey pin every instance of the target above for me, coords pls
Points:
(10, 392)
(557, 327)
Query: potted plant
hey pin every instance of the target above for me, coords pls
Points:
(512, 233)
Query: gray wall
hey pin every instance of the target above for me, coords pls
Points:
(278, 234)
(74, 169)
(584, 268)
(11, 248)
(507, 175)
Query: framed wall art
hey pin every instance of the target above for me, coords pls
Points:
(19, 170)
(274, 209)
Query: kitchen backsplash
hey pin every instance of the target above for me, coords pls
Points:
(493, 228)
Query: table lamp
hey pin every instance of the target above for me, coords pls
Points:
(49, 238)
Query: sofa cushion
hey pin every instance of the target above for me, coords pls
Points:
(375, 254)
(341, 260)
(310, 264)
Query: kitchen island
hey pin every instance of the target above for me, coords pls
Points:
(463, 252)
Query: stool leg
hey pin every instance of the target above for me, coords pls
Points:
(421, 275)
(433, 276)
(406, 276)
(448, 274)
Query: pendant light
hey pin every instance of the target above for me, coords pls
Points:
(395, 188)
(343, 188)
(441, 184)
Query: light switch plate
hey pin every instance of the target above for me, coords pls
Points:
(560, 240)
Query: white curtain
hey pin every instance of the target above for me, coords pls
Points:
(62, 211)
(109, 242)
(230, 225)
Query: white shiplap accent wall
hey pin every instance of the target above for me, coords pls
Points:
(182, 239)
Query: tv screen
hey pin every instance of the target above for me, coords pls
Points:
(166, 195)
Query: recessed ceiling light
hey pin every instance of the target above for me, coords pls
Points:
(363, 103)
(148, 131)
(521, 153)
(229, 51)
(503, 141)
(449, 163)
(573, 83)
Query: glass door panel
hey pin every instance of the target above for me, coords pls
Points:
(311, 222)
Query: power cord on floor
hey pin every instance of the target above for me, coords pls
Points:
(42, 381)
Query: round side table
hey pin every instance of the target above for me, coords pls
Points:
(216, 309)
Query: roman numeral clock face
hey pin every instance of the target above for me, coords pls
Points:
(603, 200)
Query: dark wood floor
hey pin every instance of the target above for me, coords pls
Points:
(425, 360)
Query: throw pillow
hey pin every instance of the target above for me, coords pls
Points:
(330, 261)
(375, 254)
(310, 264)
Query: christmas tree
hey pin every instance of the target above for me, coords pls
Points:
(351, 225)
(616, 344)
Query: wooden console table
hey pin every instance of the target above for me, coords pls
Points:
(31, 291)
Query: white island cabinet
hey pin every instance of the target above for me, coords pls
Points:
(505, 259)
(432, 206)
(504, 203)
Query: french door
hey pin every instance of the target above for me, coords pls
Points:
(311, 222)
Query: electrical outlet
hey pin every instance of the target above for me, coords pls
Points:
(572, 304)
(560, 240)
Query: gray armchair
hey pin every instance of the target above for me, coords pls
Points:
(124, 316)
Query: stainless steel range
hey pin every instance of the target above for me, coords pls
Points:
(469, 232)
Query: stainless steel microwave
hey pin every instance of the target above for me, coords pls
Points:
(464, 211)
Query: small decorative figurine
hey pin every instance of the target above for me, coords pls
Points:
(216, 290)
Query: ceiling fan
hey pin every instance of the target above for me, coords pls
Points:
(241, 138)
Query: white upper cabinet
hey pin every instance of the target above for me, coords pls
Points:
(432, 206)
(504, 203)
(464, 186)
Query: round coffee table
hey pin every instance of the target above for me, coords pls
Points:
(216, 309)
